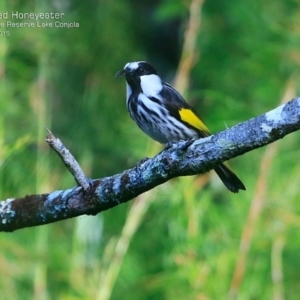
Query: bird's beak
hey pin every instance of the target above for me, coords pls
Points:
(121, 73)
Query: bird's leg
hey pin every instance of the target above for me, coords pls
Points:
(168, 145)
(188, 143)
(180, 145)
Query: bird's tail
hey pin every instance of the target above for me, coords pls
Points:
(230, 180)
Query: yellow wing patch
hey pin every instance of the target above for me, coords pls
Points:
(191, 118)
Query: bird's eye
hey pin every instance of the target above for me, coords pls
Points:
(141, 70)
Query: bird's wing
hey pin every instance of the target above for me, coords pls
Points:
(181, 110)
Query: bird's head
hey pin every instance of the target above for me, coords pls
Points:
(141, 76)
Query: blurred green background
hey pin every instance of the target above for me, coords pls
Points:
(189, 238)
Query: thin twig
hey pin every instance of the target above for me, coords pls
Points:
(277, 270)
(189, 49)
(68, 159)
(133, 220)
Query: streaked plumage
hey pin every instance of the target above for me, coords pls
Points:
(162, 113)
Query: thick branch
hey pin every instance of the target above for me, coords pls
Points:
(183, 158)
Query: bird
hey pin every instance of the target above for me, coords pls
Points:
(161, 112)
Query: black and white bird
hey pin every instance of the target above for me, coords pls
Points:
(162, 113)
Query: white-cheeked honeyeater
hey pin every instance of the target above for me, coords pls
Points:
(162, 113)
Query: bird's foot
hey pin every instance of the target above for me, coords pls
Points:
(168, 145)
(180, 145)
(188, 143)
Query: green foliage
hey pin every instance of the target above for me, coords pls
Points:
(183, 241)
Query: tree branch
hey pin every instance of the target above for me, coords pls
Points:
(181, 159)
(68, 160)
